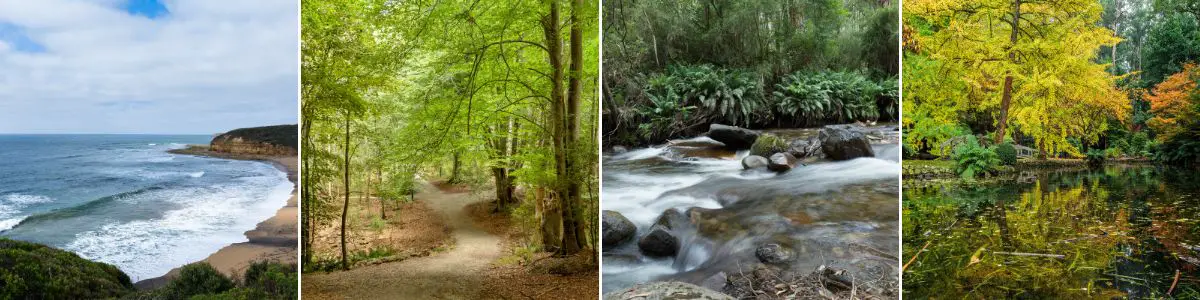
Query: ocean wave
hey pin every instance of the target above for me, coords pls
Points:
(82, 209)
(24, 199)
(11, 205)
(6, 224)
(196, 174)
(207, 219)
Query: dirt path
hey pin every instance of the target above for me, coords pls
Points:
(455, 274)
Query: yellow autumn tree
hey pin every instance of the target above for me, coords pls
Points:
(1169, 100)
(1031, 64)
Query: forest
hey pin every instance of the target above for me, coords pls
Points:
(410, 107)
(1050, 149)
(674, 67)
(1113, 82)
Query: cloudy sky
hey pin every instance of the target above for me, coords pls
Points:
(146, 66)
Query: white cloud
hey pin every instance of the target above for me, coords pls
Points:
(207, 66)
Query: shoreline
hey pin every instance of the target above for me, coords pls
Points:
(274, 239)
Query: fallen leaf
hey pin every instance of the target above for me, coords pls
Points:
(975, 257)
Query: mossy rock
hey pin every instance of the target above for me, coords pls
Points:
(35, 271)
(768, 144)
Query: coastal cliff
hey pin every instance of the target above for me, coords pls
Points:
(268, 140)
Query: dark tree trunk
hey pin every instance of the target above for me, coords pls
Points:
(307, 201)
(454, 170)
(1006, 98)
(575, 230)
(346, 193)
(382, 201)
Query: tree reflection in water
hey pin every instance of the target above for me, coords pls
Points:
(1120, 231)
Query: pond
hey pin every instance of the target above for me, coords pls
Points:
(1120, 231)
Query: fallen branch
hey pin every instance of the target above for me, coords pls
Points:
(914, 257)
(1058, 256)
(1173, 283)
(546, 291)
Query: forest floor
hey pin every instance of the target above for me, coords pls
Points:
(454, 274)
(520, 274)
(484, 263)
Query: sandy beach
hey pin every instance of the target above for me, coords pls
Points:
(274, 239)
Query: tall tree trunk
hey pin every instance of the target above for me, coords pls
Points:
(306, 196)
(552, 222)
(346, 193)
(454, 170)
(382, 201)
(1006, 98)
(575, 231)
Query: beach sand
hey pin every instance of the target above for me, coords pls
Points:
(274, 239)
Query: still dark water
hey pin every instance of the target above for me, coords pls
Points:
(1123, 231)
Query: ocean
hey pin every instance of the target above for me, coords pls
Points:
(123, 200)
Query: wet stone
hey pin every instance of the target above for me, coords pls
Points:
(754, 162)
(659, 243)
(617, 229)
(773, 254)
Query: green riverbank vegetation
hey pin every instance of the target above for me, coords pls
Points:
(470, 95)
(672, 68)
(1084, 80)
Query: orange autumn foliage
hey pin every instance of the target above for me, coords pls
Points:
(1170, 99)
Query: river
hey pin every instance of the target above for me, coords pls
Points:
(839, 214)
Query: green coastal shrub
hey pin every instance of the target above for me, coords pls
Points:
(271, 280)
(1007, 153)
(35, 271)
(768, 144)
(971, 160)
(198, 279)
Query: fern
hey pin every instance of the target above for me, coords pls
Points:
(971, 159)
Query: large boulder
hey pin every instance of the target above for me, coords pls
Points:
(843, 144)
(617, 229)
(754, 162)
(780, 162)
(732, 136)
(668, 290)
(659, 243)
